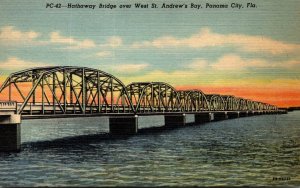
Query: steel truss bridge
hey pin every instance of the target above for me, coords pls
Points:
(63, 90)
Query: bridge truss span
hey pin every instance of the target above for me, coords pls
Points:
(82, 90)
(216, 102)
(66, 90)
(153, 97)
(231, 102)
(193, 101)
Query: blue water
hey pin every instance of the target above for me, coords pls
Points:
(249, 151)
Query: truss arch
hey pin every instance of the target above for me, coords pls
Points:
(153, 97)
(193, 100)
(67, 89)
(216, 102)
(231, 102)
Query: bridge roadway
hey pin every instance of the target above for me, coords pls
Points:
(68, 91)
(119, 123)
(227, 114)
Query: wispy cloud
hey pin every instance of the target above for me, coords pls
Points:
(197, 64)
(223, 71)
(236, 62)
(292, 64)
(171, 77)
(104, 54)
(57, 38)
(11, 35)
(14, 63)
(129, 67)
(207, 38)
(113, 42)
(75, 44)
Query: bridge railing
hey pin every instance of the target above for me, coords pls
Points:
(6, 106)
(41, 109)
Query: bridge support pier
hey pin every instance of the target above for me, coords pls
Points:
(125, 125)
(243, 114)
(203, 117)
(255, 113)
(189, 119)
(176, 120)
(251, 113)
(10, 133)
(218, 116)
(232, 115)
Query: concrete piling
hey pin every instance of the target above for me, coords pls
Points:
(175, 120)
(232, 115)
(203, 117)
(123, 125)
(10, 132)
(243, 114)
(218, 116)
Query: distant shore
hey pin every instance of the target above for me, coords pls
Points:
(293, 108)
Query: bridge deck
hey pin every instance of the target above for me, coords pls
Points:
(49, 116)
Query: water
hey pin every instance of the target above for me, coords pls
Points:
(246, 151)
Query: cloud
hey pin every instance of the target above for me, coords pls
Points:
(234, 62)
(57, 38)
(289, 64)
(197, 64)
(113, 42)
(206, 38)
(129, 68)
(172, 77)
(73, 44)
(14, 63)
(203, 73)
(104, 54)
(11, 35)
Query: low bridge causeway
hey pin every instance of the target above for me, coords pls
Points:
(68, 92)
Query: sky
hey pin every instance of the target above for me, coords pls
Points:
(252, 53)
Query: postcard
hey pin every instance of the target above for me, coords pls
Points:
(149, 93)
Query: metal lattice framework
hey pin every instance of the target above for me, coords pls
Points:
(81, 90)
(243, 104)
(67, 90)
(153, 97)
(231, 102)
(193, 100)
(216, 102)
(247, 104)
(266, 106)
